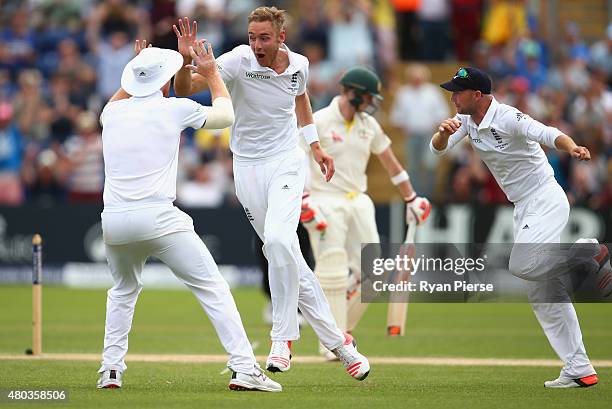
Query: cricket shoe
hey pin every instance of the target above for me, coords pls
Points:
(279, 359)
(355, 363)
(565, 382)
(256, 381)
(603, 276)
(109, 379)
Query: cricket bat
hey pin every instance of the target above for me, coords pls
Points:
(398, 301)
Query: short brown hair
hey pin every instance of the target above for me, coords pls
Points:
(272, 14)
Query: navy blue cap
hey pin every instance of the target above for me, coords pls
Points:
(469, 78)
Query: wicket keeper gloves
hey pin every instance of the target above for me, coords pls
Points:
(312, 214)
(417, 209)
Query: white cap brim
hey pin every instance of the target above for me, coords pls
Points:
(131, 84)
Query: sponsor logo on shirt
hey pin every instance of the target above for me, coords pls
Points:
(248, 214)
(519, 116)
(257, 76)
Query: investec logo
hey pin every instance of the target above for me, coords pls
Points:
(257, 76)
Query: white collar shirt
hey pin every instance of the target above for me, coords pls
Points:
(264, 103)
(141, 138)
(508, 142)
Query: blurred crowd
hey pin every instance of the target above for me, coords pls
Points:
(61, 60)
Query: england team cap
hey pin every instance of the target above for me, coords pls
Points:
(469, 78)
(150, 70)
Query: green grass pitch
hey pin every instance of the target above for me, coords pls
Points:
(171, 322)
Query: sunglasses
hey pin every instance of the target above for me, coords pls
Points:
(462, 73)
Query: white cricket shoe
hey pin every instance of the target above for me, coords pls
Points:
(565, 382)
(109, 378)
(279, 359)
(257, 381)
(355, 363)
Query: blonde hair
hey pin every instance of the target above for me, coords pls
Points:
(272, 14)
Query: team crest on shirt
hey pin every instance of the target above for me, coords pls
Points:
(294, 86)
(336, 137)
(501, 145)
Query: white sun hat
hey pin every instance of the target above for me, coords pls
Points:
(150, 70)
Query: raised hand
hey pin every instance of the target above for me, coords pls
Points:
(203, 58)
(449, 127)
(141, 45)
(186, 36)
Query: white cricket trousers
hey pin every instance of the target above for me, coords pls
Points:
(545, 213)
(188, 258)
(271, 193)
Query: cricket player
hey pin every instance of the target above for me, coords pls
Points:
(508, 141)
(267, 82)
(141, 137)
(339, 215)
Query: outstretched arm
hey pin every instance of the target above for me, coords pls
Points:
(185, 82)
(221, 114)
(567, 144)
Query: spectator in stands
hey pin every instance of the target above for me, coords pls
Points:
(206, 188)
(505, 20)
(466, 21)
(601, 55)
(10, 158)
(418, 108)
(84, 166)
(41, 177)
(350, 34)
(322, 76)
(386, 57)
(434, 18)
(17, 44)
(533, 69)
(112, 55)
(575, 46)
(407, 23)
(313, 26)
(32, 114)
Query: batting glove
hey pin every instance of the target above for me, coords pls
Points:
(311, 214)
(417, 209)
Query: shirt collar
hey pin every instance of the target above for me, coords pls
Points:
(335, 106)
(156, 94)
(488, 118)
(292, 68)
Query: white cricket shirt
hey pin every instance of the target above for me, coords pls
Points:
(141, 138)
(350, 145)
(508, 142)
(264, 103)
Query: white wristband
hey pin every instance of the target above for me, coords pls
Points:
(400, 177)
(310, 134)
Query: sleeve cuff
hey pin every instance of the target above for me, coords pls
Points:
(435, 151)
